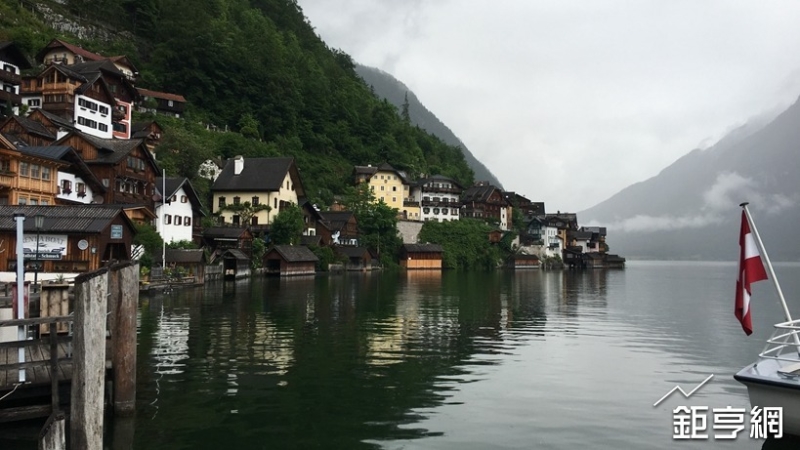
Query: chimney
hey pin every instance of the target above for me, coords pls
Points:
(238, 165)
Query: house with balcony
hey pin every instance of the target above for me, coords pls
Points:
(125, 95)
(386, 183)
(27, 178)
(338, 228)
(544, 238)
(21, 130)
(161, 103)
(179, 212)
(85, 101)
(439, 198)
(124, 167)
(12, 62)
(273, 183)
(487, 202)
(76, 182)
(58, 51)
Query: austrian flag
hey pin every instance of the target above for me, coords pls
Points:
(751, 269)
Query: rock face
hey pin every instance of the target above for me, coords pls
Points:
(691, 209)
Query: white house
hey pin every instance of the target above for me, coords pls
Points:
(12, 61)
(439, 198)
(180, 211)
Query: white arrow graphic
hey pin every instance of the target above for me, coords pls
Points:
(679, 388)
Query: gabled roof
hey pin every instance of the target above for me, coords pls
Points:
(64, 70)
(69, 155)
(10, 52)
(111, 151)
(439, 179)
(45, 153)
(258, 175)
(55, 119)
(294, 253)
(98, 66)
(185, 255)
(354, 252)
(423, 248)
(58, 43)
(225, 232)
(311, 240)
(162, 95)
(171, 185)
(85, 219)
(336, 220)
(480, 193)
(141, 129)
(31, 126)
(384, 167)
(235, 254)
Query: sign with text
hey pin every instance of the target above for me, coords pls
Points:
(116, 231)
(52, 245)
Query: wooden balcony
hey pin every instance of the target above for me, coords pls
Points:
(7, 180)
(9, 97)
(10, 77)
(442, 190)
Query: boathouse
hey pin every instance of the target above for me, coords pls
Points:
(523, 261)
(421, 256)
(189, 264)
(235, 264)
(357, 258)
(71, 238)
(289, 260)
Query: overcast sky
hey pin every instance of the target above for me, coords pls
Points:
(570, 101)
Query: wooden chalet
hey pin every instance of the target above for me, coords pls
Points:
(495, 236)
(235, 264)
(73, 238)
(191, 263)
(290, 260)
(124, 93)
(27, 178)
(123, 166)
(485, 201)
(338, 228)
(165, 103)
(356, 258)
(150, 131)
(74, 177)
(219, 239)
(421, 256)
(21, 130)
(523, 261)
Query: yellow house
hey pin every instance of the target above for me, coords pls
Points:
(27, 178)
(387, 184)
(269, 183)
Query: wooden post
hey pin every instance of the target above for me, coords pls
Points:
(54, 400)
(124, 348)
(53, 436)
(89, 361)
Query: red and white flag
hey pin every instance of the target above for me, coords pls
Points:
(751, 269)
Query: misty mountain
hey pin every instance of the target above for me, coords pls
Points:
(393, 90)
(690, 210)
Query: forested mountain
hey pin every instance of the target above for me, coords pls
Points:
(388, 87)
(690, 210)
(256, 67)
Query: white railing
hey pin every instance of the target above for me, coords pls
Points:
(784, 345)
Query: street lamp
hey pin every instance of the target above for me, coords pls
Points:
(39, 222)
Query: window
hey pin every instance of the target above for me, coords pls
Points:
(169, 102)
(222, 202)
(66, 187)
(35, 171)
(394, 188)
(394, 199)
(254, 220)
(103, 110)
(23, 201)
(34, 102)
(236, 220)
(167, 219)
(178, 220)
(187, 221)
(255, 201)
(184, 199)
(444, 211)
(23, 169)
(276, 203)
(81, 189)
(236, 200)
(44, 203)
(382, 188)
(46, 173)
(105, 182)
(287, 184)
(174, 199)
(34, 202)
(426, 210)
(454, 212)
(102, 127)
(436, 210)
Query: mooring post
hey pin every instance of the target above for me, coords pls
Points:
(52, 436)
(124, 348)
(89, 361)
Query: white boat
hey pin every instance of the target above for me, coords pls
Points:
(774, 380)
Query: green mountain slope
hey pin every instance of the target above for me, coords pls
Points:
(254, 66)
(392, 89)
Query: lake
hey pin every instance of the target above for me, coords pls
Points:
(535, 359)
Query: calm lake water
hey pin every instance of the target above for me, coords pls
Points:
(545, 360)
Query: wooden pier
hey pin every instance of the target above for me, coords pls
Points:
(68, 371)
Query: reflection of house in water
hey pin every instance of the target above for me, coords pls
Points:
(171, 343)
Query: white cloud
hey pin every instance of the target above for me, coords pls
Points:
(568, 102)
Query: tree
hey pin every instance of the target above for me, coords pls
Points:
(405, 114)
(148, 237)
(246, 211)
(287, 227)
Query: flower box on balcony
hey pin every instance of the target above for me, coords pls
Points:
(81, 194)
(66, 191)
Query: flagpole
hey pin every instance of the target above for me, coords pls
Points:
(763, 250)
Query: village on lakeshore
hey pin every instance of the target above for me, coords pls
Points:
(87, 178)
